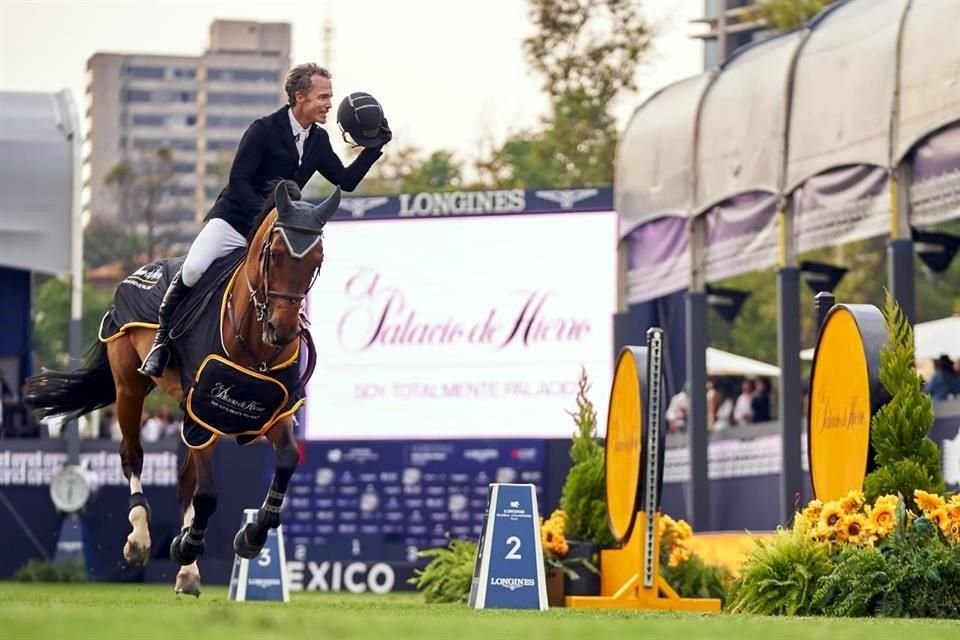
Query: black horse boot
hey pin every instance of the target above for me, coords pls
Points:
(158, 356)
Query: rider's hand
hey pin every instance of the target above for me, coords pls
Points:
(385, 131)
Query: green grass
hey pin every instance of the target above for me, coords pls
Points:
(153, 611)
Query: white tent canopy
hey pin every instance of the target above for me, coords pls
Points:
(722, 363)
(931, 339)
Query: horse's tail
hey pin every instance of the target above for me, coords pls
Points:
(72, 394)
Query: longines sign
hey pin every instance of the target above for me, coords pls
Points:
(474, 203)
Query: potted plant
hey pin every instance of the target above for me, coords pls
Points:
(560, 566)
(583, 499)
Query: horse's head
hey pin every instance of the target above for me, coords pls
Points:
(291, 254)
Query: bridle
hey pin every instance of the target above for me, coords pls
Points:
(261, 295)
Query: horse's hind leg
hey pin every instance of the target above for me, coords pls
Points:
(188, 578)
(131, 388)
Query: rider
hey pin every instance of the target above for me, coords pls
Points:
(287, 144)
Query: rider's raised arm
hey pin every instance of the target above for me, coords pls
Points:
(331, 168)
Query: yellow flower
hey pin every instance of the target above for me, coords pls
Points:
(887, 501)
(853, 528)
(830, 515)
(940, 518)
(812, 511)
(684, 530)
(927, 501)
(678, 556)
(852, 502)
(955, 499)
(883, 519)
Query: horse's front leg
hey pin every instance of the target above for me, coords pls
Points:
(250, 538)
(188, 545)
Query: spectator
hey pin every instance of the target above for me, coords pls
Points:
(679, 410)
(724, 414)
(743, 410)
(944, 381)
(760, 402)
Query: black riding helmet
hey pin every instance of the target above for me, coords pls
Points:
(362, 117)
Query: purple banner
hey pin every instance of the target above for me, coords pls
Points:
(935, 187)
(658, 259)
(741, 235)
(840, 206)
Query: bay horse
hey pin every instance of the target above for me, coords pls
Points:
(260, 322)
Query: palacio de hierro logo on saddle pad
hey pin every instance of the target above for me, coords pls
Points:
(220, 397)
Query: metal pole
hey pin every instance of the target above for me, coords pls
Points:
(822, 303)
(698, 488)
(71, 130)
(900, 270)
(788, 347)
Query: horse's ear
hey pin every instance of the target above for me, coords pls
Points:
(325, 210)
(282, 197)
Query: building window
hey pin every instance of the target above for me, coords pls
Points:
(242, 75)
(145, 73)
(185, 167)
(148, 120)
(158, 96)
(228, 122)
(159, 143)
(221, 145)
(219, 97)
(184, 73)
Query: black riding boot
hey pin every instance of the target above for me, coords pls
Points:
(158, 356)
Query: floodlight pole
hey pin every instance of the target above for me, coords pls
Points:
(71, 130)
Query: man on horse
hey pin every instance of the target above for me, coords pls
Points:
(287, 144)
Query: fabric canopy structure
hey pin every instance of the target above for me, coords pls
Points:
(722, 363)
(39, 152)
(815, 120)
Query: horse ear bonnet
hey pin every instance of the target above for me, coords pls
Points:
(301, 223)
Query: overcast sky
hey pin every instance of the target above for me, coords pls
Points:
(449, 73)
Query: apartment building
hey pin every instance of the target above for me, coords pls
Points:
(197, 107)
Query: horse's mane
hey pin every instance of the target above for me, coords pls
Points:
(270, 203)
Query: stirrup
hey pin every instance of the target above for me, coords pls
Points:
(158, 356)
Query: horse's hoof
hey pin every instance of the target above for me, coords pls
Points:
(183, 553)
(243, 547)
(188, 584)
(136, 554)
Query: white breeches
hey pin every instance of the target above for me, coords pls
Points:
(215, 240)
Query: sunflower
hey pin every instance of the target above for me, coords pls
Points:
(887, 500)
(853, 528)
(927, 501)
(830, 515)
(852, 502)
(940, 518)
(955, 499)
(812, 511)
(883, 519)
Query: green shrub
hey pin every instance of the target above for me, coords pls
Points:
(696, 579)
(47, 571)
(906, 459)
(448, 576)
(583, 498)
(780, 576)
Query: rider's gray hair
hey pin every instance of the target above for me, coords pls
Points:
(299, 79)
